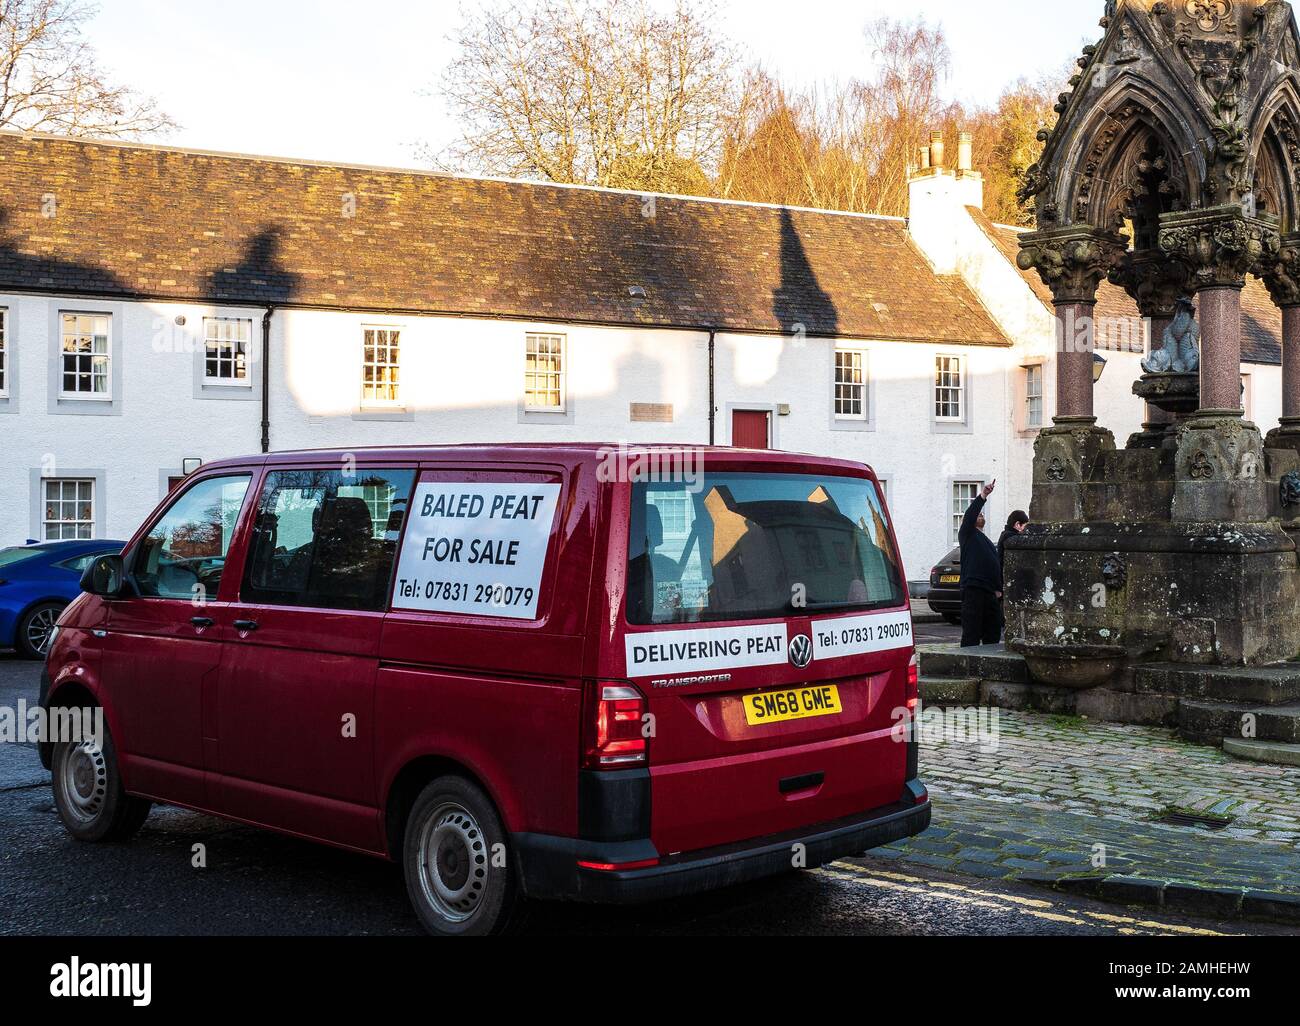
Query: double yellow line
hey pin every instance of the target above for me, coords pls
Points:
(1035, 908)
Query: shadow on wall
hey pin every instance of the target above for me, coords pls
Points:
(258, 277)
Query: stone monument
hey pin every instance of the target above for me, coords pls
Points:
(1174, 171)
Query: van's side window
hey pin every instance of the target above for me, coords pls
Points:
(184, 554)
(327, 539)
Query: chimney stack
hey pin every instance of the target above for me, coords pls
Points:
(965, 147)
(936, 150)
(925, 158)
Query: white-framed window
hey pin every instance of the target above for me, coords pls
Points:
(226, 341)
(949, 388)
(1248, 396)
(87, 356)
(963, 494)
(544, 374)
(1034, 395)
(850, 384)
(69, 509)
(4, 352)
(381, 366)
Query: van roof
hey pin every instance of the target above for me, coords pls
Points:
(571, 453)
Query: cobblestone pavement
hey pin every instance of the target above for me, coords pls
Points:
(1051, 789)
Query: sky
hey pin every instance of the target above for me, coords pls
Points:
(338, 80)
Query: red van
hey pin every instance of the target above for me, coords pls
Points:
(561, 672)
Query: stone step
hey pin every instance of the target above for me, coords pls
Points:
(1273, 752)
(1252, 685)
(943, 691)
(1211, 722)
(990, 662)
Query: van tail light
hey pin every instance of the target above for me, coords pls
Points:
(615, 735)
(912, 699)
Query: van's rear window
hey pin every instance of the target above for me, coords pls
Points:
(758, 546)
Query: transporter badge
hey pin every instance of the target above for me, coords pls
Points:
(801, 651)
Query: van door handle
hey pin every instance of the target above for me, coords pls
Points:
(244, 626)
(202, 622)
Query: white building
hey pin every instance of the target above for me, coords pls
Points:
(400, 306)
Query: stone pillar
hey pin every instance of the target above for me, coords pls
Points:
(1220, 472)
(1219, 312)
(1219, 246)
(1291, 363)
(1072, 262)
(1076, 341)
(1282, 276)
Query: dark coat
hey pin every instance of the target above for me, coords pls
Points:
(981, 563)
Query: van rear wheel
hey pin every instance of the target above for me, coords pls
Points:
(457, 875)
(88, 792)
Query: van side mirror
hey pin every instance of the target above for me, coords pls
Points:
(106, 577)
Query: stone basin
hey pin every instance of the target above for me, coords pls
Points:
(1072, 666)
(1179, 394)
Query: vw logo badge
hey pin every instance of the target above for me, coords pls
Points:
(801, 651)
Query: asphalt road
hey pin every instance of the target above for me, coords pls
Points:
(259, 883)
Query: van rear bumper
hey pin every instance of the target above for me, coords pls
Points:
(549, 867)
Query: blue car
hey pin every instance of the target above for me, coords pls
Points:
(36, 583)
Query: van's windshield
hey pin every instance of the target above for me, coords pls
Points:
(758, 546)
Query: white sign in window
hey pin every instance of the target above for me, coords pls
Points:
(476, 549)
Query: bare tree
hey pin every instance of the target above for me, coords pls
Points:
(843, 146)
(50, 81)
(1006, 142)
(612, 94)
(599, 92)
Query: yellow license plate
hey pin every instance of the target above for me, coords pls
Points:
(797, 704)
(950, 579)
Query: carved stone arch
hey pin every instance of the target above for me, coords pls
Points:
(1274, 166)
(1133, 174)
(1095, 146)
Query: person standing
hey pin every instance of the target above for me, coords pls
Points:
(981, 577)
(1016, 524)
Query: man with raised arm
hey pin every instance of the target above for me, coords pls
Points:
(981, 578)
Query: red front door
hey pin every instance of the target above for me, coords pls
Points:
(751, 429)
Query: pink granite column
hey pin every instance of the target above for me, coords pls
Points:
(1220, 317)
(1291, 363)
(1075, 342)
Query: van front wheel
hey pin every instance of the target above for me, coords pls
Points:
(88, 791)
(458, 874)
